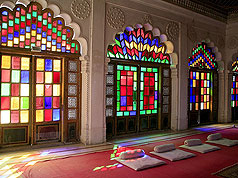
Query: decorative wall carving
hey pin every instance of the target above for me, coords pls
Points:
(192, 34)
(172, 30)
(80, 9)
(115, 18)
(147, 19)
(232, 42)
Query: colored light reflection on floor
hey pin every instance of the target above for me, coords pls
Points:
(117, 151)
(207, 129)
(108, 167)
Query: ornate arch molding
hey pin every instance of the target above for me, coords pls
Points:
(158, 46)
(233, 64)
(57, 14)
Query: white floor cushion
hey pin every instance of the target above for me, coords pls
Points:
(204, 148)
(141, 163)
(224, 141)
(174, 155)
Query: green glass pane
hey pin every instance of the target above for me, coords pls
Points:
(118, 106)
(208, 76)
(4, 25)
(142, 76)
(154, 111)
(134, 96)
(24, 103)
(141, 105)
(126, 113)
(77, 48)
(119, 67)
(23, 18)
(155, 70)
(149, 69)
(143, 69)
(118, 96)
(156, 86)
(33, 44)
(63, 36)
(156, 77)
(232, 103)
(5, 89)
(73, 44)
(232, 91)
(54, 30)
(134, 86)
(44, 22)
(148, 112)
(17, 20)
(133, 68)
(135, 76)
(134, 105)
(118, 85)
(142, 112)
(141, 95)
(49, 26)
(28, 16)
(58, 33)
(34, 13)
(15, 76)
(155, 105)
(142, 86)
(39, 18)
(118, 75)
(127, 68)
(10, 23)
(119, 113)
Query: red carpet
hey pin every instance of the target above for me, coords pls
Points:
(201, 166)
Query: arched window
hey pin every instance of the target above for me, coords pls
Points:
(202, 86)
(138, 83)
(40, 75)
(234, 91)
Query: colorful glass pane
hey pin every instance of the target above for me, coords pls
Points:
(234, 91)
(33, 28)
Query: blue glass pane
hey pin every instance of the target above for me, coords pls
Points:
(132, 113)
(33, 26)
(28, 29)
(63, 49)
(59, 22)
(43, 47)
(48, 65)
(44, 34)
(38, 30)
(48, 38)
(22, 31)
(48, 102)
(156, 95)
(56, 114)
(4, 13)
(4, 39)
(24, 76)
(53, 42)
(10, 36)
(16, 34)
(232, 97)
(123, 100)
(58, 45)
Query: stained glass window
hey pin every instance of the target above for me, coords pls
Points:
(194, 90)
(48, 89)
(126, 90)
(139, 45)
(234, 89)
(25, 27)
(148, 90)
(15, 92)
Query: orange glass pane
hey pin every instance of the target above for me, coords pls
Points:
(39, 77)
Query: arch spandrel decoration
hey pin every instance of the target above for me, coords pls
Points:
(235, 66)
(25, 27)
(138, 45)
(202, 57)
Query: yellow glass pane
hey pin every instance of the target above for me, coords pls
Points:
(57, 65)
(194, 83)
(25, 90)
(53, 48)
(14, 103)
(25, 63)
(38, 37)
(39, 89)
(205, 98)
(48, 77)
(205, 105)
(33, 33)
(43, 40)
(196, 106)
(201, 91)
(10, 43)
(28, 35)
(205, 83)
(6, 62)
(202, 76)
(208, 91)
(24, 116)
(197, 75)
(40, 64)
(39, 115)
(56, 90)
(48, 44)
(16, 40)
(5, 117)
(208, 106)
(22, 38)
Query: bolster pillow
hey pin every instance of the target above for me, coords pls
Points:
(215, 136)
(130, 154)
(164, 148)
(192, 142)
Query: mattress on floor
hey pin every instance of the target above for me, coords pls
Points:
(141, 163)
(224, 141)
(174, 155)
(203, 148)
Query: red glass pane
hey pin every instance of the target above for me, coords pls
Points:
(59, 39)
(45, 15)
(16, 62)
(129, 73)
(22, 44)
(123, 108)
(15, 89)
(4, 32)
(205, 76)
(49, 32)
(10, 29)
(5, 103)
(27, 42)
(129, 100)
(28, 23)
(129, 108)
(55, 23)
(202, 83)
(146, 91)
(123, 90)
(147, 79)
(56, 102)
(123, 72)
(39, 103)
(5, 76)
(197, 99)
(152, 74)
(22, 25)
(56, 77)
(17, 14)
(123, 80)
(49, 19)
(60, 28)
(146, 74)
(146, 107)
(151, 100)
(14, 116)
(10, 16)
(205, 91)
(39, 24)
(151, 107)
(39, 77)
(23, 12)
(54, 35)
(129, 90)
(48, 115)
(16, 27)
(34, 7)
(146, 98)
(33, 39)
(152, 89)
(4, 18)
(152, 81)
(44, 28)
(129, 80)
(48, 90)
(64, 31)
(202, 97)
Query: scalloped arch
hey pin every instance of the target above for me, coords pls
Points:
(141, 43)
